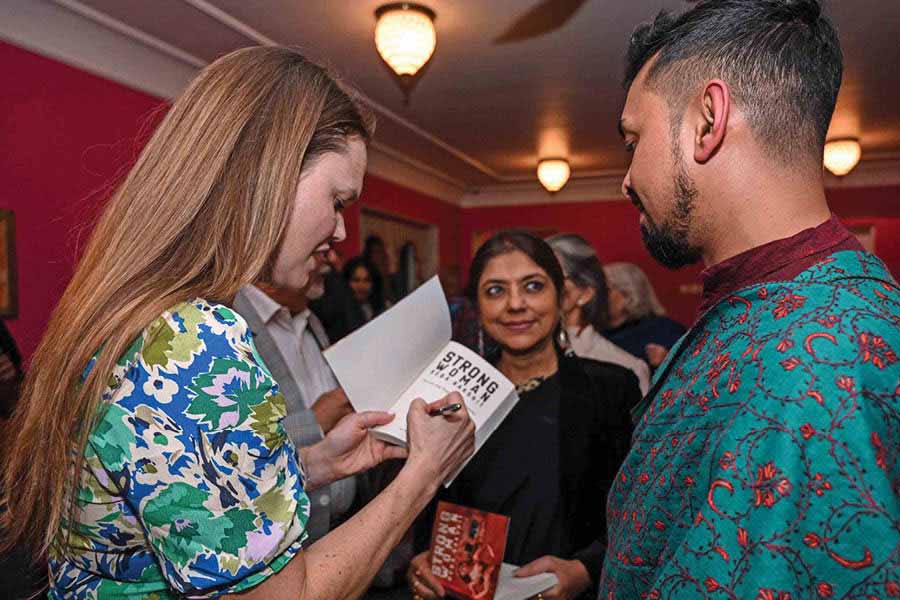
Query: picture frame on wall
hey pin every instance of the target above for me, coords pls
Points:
(8, 290)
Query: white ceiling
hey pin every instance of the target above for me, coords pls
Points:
(483, 114)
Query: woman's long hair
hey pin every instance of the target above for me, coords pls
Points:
(202, 213)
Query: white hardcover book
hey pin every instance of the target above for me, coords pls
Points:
(522, 588)
(406, 353)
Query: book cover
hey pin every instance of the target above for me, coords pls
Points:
(467, 547)
(409, 348)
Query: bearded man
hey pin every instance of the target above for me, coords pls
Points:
(766, 456)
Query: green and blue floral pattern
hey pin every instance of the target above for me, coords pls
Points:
(191, 487)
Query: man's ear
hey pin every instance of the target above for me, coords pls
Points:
(712, 121)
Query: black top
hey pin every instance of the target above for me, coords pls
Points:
(521, 460)
(338, 309)
(550, 464)
(634, 336)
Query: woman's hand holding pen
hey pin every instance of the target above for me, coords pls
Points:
(441, 437)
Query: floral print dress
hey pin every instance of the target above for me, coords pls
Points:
(191, 487)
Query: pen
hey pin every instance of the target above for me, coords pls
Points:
(450, 408)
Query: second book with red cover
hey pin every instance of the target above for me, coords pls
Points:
(467, 547)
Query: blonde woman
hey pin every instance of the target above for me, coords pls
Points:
(149, 459)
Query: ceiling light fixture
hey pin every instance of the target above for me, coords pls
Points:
(405, 36)
(553, 173)
(842, 156)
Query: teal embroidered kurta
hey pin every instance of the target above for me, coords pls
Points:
(766, 460)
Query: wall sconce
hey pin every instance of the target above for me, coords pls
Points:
(553, 173)
(842, 156)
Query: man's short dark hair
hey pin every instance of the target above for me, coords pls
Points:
(780, 58)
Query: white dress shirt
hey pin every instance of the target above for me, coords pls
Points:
(589, 344)
(302, 354)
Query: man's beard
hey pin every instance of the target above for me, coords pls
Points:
(668, 243)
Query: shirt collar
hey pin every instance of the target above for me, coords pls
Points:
(266, 308)
(769, 261)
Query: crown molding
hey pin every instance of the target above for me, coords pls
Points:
(530, 192)
(876, 169)
(398, 168)
(80, 36)
(252, 34)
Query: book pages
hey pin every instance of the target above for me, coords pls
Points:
(378, 362)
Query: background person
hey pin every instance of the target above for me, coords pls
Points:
(290, 339)
(549, 465)
(637, 320)
(367, 286)
(585, 306)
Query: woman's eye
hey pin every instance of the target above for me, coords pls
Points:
(339, 205)
(493, 291)
(629, 147)
(534, 286)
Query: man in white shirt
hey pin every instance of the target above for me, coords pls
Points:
(290, 340)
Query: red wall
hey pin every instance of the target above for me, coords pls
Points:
(65, 136)
(401, 201)
(612, 228)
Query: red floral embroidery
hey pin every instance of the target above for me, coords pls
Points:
(763, 293)
(711, 584)
(807, 430)
(892, 589)
(788, 304)
(824, 590)
(689, 481)
(785, 345)
(820, 485)
(660, 526)
(828, 321)
(876, 350)
(845, 383)
(767, 483)
(742, 537)
(812, 540)
(727, 460)
(880, 454)
(791, 363)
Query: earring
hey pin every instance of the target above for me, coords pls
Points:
(562, 336)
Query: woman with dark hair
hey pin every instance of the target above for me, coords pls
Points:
(585, 306)
(549, 465)
(367, 286)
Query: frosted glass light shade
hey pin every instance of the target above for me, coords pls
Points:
(842, 156)
(553, 173)
(405, 36)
